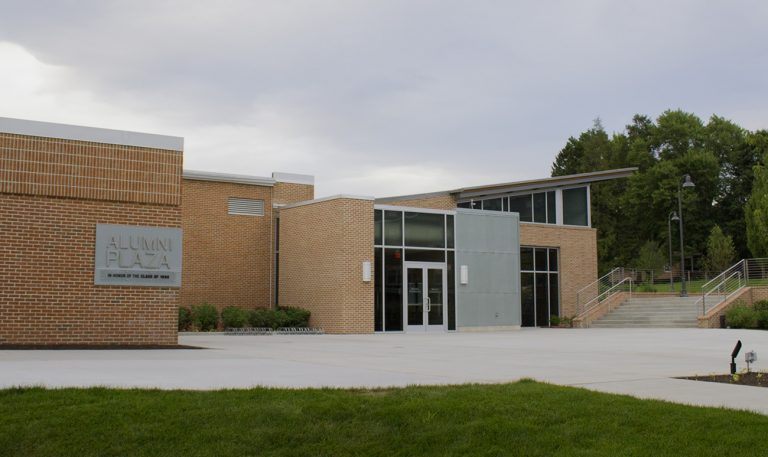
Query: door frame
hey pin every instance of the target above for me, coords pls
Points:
(424, 266)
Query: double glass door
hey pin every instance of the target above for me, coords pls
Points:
(424, 303)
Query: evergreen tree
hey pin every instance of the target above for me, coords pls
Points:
(720, 251)
(756, 214)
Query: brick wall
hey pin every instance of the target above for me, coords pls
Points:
(52, 194)
(435, 202)
(226, 257)
(578, 257)
(47, 294)
(79, 169)
(285, 192)
(322, 247)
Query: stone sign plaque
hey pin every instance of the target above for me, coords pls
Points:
(128, 255)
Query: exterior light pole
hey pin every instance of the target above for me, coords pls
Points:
(686, 183)
(672, 217)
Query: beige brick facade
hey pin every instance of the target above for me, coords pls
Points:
(322, 248)
(52, 194)
(447, 202)
(578, 257)
(226, 257)
(286, 192)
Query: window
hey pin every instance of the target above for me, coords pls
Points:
(522, 205)
(245, 207)
(493, 204)
(575, 206)
(425, 230)
(539, 285)
(393, 228)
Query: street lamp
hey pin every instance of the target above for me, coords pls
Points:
(686, 183)
(672, 217)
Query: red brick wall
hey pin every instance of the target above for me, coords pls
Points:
(47, 295)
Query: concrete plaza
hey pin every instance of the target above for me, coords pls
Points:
(638, 362)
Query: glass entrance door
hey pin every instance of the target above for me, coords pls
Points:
(424, 303)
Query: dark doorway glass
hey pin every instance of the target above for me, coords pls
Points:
(542, 300)
(424, 255)
(527, 304)
(393, 289)
(415, 296)
(378, 290)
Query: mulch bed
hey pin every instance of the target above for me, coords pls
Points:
(111, 347)
(756, 379)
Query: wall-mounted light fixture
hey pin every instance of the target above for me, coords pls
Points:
(366, 271)
(464, 274)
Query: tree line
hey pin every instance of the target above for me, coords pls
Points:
(631, 215)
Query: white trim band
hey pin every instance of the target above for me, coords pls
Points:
(91, 134)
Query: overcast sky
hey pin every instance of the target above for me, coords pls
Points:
(380, 97)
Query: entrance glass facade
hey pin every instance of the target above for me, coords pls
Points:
(411, 236)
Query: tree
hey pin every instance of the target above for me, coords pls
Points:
(650, 257)
(756, 214)
(720, 250)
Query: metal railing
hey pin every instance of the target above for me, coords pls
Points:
(747, 272)
(597, 288)
(624, 285)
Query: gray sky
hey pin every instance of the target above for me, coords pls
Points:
(380, 97)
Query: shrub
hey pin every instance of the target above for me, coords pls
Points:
(762, 319)
(554, 320)
(283, 317)
(741, 317)
(185, 319)
(761, 305)
(261, 318)
(647, 288)
(567, 321)
(234, 317)
(205, 317)
(296, 317)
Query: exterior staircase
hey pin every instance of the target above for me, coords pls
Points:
(644, 311)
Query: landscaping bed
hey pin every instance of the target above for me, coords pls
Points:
(525, 418)
(757, 379)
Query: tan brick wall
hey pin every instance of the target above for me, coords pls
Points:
(285, 192)
(79, 169)
(322, 248)
(226, 257)
(47, 295)
(578, 257)
(436, 202)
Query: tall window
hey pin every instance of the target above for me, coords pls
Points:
(539, 285)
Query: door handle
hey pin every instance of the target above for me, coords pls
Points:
(429, 304)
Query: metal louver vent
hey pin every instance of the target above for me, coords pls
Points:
(246, 207)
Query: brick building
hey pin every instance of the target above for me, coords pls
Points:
(103, 236)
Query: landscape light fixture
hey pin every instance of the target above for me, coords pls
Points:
(685, 184)
(735, 354)
(750, 357)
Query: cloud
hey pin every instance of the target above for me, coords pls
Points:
(380, 97)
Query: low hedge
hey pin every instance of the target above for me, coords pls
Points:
(234, 317)
(749, 317)
(205, 317)
(281, 317)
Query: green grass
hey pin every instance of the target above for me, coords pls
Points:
(524, 418)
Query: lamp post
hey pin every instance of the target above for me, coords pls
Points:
(672, 217)
(686, 183)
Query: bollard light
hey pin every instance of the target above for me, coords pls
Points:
(750, 357)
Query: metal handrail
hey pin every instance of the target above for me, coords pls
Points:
(605, 295)
(596, 285)
(740, 264)
(719, 289)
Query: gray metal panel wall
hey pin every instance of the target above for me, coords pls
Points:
(488, 243)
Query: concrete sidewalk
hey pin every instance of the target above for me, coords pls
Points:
(638, 362)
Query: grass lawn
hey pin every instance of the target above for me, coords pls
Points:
(524, 418)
